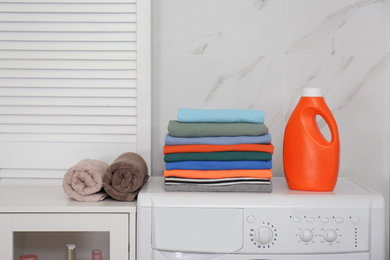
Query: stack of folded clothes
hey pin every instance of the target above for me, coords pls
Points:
(218, 150)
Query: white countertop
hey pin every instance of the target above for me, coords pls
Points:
(51, 198)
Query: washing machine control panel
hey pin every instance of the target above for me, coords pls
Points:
(296, 230)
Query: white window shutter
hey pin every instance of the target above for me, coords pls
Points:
(74, 84)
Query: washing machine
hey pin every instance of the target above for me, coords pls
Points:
(347, 223)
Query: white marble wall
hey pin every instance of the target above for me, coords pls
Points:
(258, 54)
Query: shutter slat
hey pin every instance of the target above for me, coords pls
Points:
(67, 46)
(69, 55)
(71, 120)
(71, 74)
(67, 129)
(75, 111)
(67, 64)
(69, 83)
(69, 36)
(68, 27)
(63, 138)
(68, 7)
(79, 102)
(67, 92)
(67, 17)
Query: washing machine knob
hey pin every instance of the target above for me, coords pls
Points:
(306, 235)
(264, 235)
(330, 235)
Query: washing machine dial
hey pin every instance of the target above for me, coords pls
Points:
(264, 235)
(306, 235)
(330, 235)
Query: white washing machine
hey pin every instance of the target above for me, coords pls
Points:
(347, 223)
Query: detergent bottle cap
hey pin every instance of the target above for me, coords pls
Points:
(311, 92)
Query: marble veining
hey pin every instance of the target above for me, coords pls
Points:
(328, 28)
(205, 42)
(347, 61)
(260, 4)
(202, 42)
(373, 73)
(242, 73)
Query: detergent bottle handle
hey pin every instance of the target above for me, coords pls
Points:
(331, 122)
(310, 124)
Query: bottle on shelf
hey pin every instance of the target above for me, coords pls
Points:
(97, 254)
(28, 257)
(70, 252)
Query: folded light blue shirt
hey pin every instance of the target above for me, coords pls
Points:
(220, 115)
(219, 140)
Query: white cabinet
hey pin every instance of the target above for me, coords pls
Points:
(41, 219)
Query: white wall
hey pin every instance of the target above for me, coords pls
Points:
(257, 54)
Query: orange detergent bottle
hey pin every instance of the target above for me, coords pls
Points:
(311, 162)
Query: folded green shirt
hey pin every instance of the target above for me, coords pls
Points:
(179, 129)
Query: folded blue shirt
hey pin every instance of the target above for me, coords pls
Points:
(219, 140)
(220, 115)
(219, 165)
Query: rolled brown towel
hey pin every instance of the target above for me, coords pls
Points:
(125, 177)
(84, 181)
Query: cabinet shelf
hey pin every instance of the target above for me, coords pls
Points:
(51, 245)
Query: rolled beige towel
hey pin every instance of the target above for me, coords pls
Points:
(84, 181)
(125, 177)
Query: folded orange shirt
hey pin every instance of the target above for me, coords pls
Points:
(218, 174)
(205, 148)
